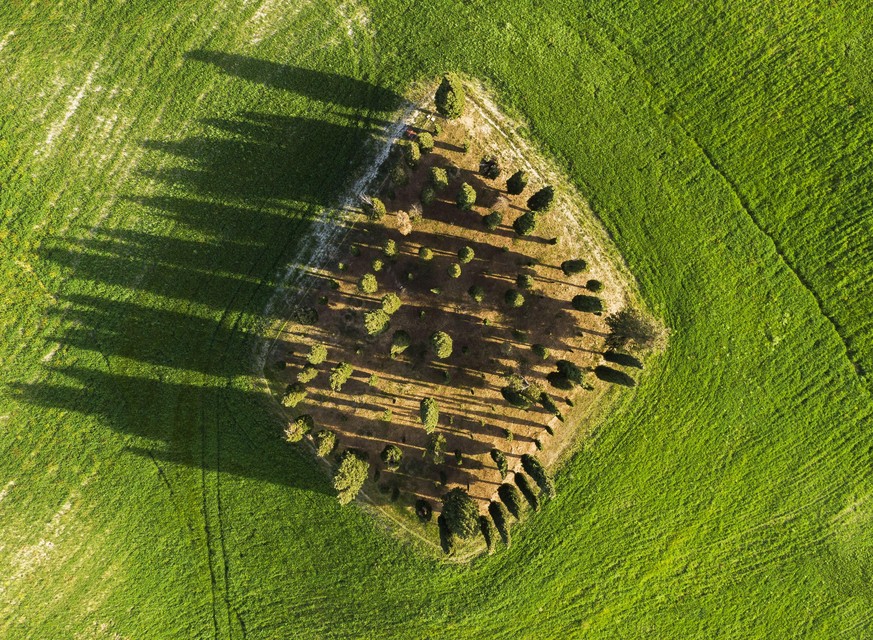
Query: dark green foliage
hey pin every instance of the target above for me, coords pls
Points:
(325, 442)
(548, 403)
(375, 210)
(400, 342)
(466, 197)
(305, 315)
(428, 194)
(500, 516)
(571, 267)
(500, 460)
(524, 281)
(515, 398)
(513, 298)
(595, 286)
(436, 447)
(454, 270)
(412, 154)
(486, 528)
(542, 200)
(350, 476)
(534, 468)
(450, 97)
(590, 304)
(390, 248)
(339, 375)
(517, 182)
(391, 303)
(614, 376)
(525, 224)
(629, 325)
(438, 178)
(466, 255)
(317, 354)
(376, 322)
(527, 491)
(399, 174)
(477, 293)
(425, 254)
(307, 374)
(301, 425)
(461, 513)
(489, 167)
(570, 371)
(559, 381)
(429, 414)
(492, 220)
(294, 395)
(425, 142)
(540, 351)
(368, 283)
(441, 344)
(391, 456)
(512, 498)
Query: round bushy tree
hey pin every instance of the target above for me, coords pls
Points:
(425, 142)
(525, 224)
(466, 197)
(466, 255)
(629, 325)
(391, 456)
(390, 248)
(350, 476)
(450, 97)
(441, 344)
(477, 293)
(301, 425)
(461, 513)
(540, 351)
(325, 441)
(317, 354)
(524, 281)
(537, 471)
(591, 304)
(572, 267)
(517, 182)
(377, 265)
(542, 200)
(391, 303)
(492, 220)
(595, 286)
(429, 414)
(375, 209)
(570, 371)
(339, 375)
(513, 298)
(438, 178)
(368, 283)
(454, 270)
(376, 322)
(400, 342)
(425, 254)
(294, 395)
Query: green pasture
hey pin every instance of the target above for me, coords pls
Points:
(160, 166)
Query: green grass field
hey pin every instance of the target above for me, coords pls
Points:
(159, 164)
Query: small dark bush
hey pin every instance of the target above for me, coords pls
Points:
(305, 315)
(515, 398)
(423, 510)
(465, 255)
(400, 341)
(540, 351)
(489, 167)
(391, 455)
(524, 281)
(477, 293)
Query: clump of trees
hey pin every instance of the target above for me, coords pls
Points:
(350, 476)
(391, 455)
(450, 97)
(511, 497)
(461, 513)
(429, 414)
(441, 344)
(466, 197)
(375, 209)
(492, 220)
(517, 182)
(629, 325)
(542, 200)
(525, 224)
(500, 460)
(325, 442)
(572, 267)
(368, 283)
(301, 426)
(339, 375)
(534, 468)
(590, 304)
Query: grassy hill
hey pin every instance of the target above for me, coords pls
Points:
(158, 166)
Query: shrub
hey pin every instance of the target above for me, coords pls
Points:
(524, 281)
(428, 194)
(501, 521)
(517, 182)
(436, 447)
(542, 200)
(511, 497)
(461, 513)
(500, 460)
(368, 283)
(466, 255)
(400, 342)
(391, 456)
(486, 528)
(489, 166)
(302, 425)
(307, 374)
(390, 248)
(339, 375)
(325, 441)
(376, 322)
(454, 270)
(425, 254)
(594, 285)
(492, 220)
(441, 344)
(570, 371)
(572, 267)
(591, 304)
(540, 351)
(450, 97)
(375, 209)
(429, 414)
(425, 142)
(413, 154)
(294, 395)
(317, 354)
(527, 491)
(466, 197)
(477, 293)
(391, 303)
(513, 298)
(377, 265)
(533, 467)
(628, 325)
(438, 178)
(350, 476)
(525, 224)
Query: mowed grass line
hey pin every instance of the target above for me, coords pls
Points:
(727, 496)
